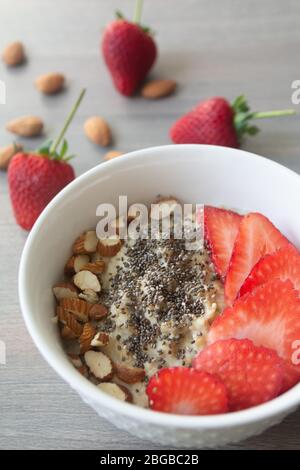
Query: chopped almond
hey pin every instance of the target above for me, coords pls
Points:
(97, 267)
(99, 365)
(117, 391)
(130, 375)
(163, 208)
(64, 290)
(67, 334)
(109, 246)
(76, 361)
(86, 337)
(67, 319)
(87, 280)
(89, 296)
(75, 264)
(100, 339)
(79, 308)
(97, 312)
(86, 243)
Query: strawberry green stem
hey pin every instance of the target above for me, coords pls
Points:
(138, 11)
(67, 122)
(275, 113)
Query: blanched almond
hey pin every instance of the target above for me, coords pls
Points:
(158, 89)
(99, 365)
(87, 280)
(13, 53)
(26, 126)
(77, 307)
(100, 339)
(117, 391)
(64, 290)
(76, 361)
(6, 154)
(86, 243)
(96, 267)
(163, 208)
(50, 83)
(89, 296)
(112, 154)
(129, 375)
(75, 264)
(67, 319)
(98, 131)
(109, 246)
(86, 337)
(97, 312)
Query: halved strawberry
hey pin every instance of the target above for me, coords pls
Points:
(270, 317)
(257, 237)
(185, 391)
(220, 230)
(282, 264)
(251, 374)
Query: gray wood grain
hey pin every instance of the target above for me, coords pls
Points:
(210, 48)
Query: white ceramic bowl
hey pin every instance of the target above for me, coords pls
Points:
(193, 173)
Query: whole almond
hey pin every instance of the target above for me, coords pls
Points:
(98, 131)
(26, 126)
(112, 154)
(158, 89)
(6, 154)
(13, 54)
(50, 83)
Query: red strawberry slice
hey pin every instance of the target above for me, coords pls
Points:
(220, 230)
(251, 374)
(186, 391)
(257, 237)
(282, 264)
(270, 317)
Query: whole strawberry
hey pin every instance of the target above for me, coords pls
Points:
(34, 178)
(216, 122)
(129, 52)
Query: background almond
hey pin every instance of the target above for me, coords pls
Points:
(98, 131)
(6, 154)
(50, 83)
(112, 154)
(13, 54)
(26, 126)
(158, 89)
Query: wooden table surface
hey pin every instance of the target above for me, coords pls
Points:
(210, 48)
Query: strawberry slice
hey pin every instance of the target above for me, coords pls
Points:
(251, 374)
(270, 317)
(185, 391)
(282, 264)
(257, 237)
(220, 230)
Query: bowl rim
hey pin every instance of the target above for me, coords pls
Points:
(88, 391)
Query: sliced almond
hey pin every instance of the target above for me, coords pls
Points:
(75, 264)
(98, 131)
(112, 154)
(89, 296)
(117, 391)
(158, 89)
(76, 361)
(77, 307)
(129, 375)
(67, 319)
(97, 267)
(109, 246)
(163, 208)
(67, 334)
(26, 126)
(86, 337)
(13, 54)
(100, 339)
(97, 312)
(86, 243)
(99, 365)
(64, 290)
(87, 280)
(6, 154)
(50, 83)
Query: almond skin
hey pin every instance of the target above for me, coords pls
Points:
(6, 154)
(50, 83)
(13, 54)
(26, 126)
(158, 89)
(98, 131)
